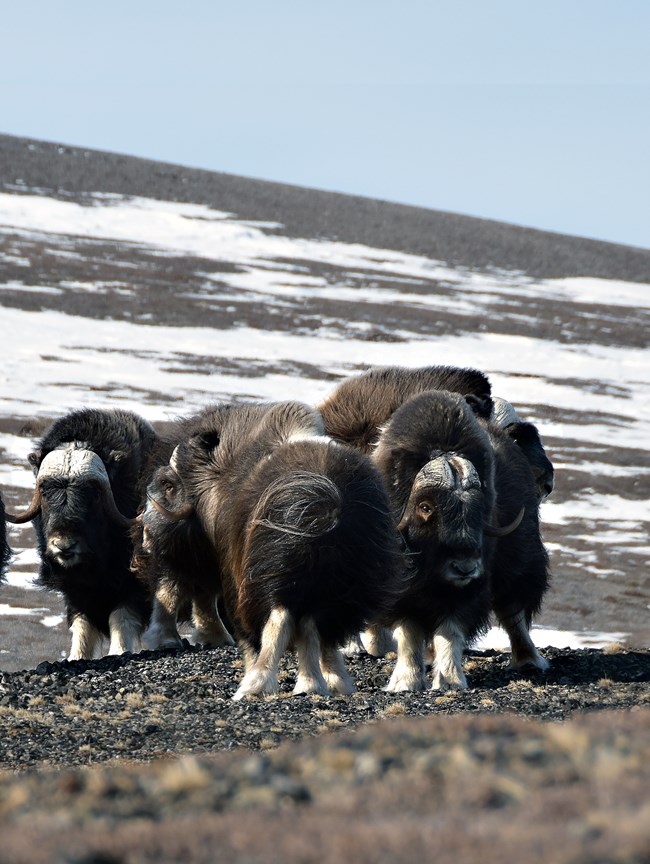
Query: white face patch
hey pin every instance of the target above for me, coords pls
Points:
(72, 463)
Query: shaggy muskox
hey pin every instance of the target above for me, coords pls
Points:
(301, 530)
(91, 468)
(5, 551)
(519, 572)
(526, 436)
(360, 408)
(439, 469)
(177, 562)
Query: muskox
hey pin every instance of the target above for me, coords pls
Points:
(526, 436)
(177, 562)
(438, 465)
(301, 531)
(359, 409)
(519, 571)
(5, 551)
(91, 468)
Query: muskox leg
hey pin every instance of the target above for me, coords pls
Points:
(262, 677)
(85, 637)
(354, 646)
(448, 646)
(163, 631)
(378, 641)
(408, 673)
(524, 652)
(336, 675)
(125, 627)
(208, 626)
(310, 678)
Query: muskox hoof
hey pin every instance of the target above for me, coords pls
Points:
(450, 681)
(209, 639)
(354, 647)
(256, 683)
(405, 681)
(531, 662)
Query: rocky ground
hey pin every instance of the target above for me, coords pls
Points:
(433, 776)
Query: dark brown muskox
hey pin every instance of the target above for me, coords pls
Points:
(301, 529)
(91, 469)
(438, 465)
(360, 407)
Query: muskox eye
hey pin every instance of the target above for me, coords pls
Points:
(424, 509)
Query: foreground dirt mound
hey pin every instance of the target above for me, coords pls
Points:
(444, 788)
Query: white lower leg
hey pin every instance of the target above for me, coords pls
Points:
(378, 641)
(310, 678)
(85, 637)
(162, 631)
(408, 673)
(524, 652)
(336, 675)
(208, 626)
(125, 628)
(262, 677)
(448, 646)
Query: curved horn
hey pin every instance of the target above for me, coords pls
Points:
(503, 531)
(437, 472)
(113, 511)
(503, 413)
(32, 510)
(174, 515)
(51, 466)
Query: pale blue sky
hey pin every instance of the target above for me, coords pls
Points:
(531, 113)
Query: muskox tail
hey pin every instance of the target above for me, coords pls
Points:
(303, 504)
(323, 546)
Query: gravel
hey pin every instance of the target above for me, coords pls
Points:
(159, 703)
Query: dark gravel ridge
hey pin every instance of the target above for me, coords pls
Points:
(65, 171)
(155, 703)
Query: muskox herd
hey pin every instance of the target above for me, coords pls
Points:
(397, 515)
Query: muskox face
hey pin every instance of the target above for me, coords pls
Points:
(443, 520)
(162, 528)
(72, 522)
(74, 505)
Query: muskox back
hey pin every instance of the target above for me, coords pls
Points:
(319, 541)
(360, 406)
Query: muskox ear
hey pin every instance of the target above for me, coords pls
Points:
(210, 440)
(480, 405)
(35, 458)
(116, 456)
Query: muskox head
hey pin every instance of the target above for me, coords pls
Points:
(443, 521)
(161, 528)
(527, 437)
(73, 502)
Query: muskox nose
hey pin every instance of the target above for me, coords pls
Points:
(65, 547)
(465, 569)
